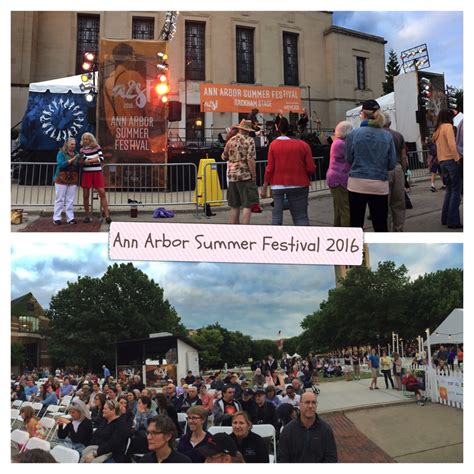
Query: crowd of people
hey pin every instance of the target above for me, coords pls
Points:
(368, 168)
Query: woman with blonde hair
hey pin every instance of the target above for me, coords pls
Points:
(251, 445)
(371, 152)
(338, 174)
(92, 176)
(65, 182)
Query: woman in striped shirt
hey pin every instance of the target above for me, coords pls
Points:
(92, 176)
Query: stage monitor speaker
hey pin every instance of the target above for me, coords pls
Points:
(174, 111)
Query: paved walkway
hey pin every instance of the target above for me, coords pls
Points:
(424, 217)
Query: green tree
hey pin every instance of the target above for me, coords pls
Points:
(460, 99)
(211, 339)
(262, 347)
(392, 69)
(89, 315)
(17, 355)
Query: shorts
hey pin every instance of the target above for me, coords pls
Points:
(92, 179)
(434, 168)
(374, 373)
(347, 369)
(242, 194)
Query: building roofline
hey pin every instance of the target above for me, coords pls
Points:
(357, 34)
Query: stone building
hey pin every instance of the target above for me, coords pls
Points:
(27, 319)
(335, 68)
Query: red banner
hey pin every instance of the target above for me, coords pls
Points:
(238, 98)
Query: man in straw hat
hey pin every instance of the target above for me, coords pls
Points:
(242, 190)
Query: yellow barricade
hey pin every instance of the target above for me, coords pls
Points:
(213, 186)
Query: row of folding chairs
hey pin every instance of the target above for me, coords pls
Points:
(265, 431)
(61, 454)
(37, 406)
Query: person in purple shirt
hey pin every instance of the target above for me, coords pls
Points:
(337, 175)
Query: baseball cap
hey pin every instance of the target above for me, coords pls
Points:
(217, 444)
(248, 391)
(259, 391)
(370, 104)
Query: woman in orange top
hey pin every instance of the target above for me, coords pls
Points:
(449, 162)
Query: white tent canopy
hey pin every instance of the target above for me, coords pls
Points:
(387, 104)
(62, 85)
(450, 331)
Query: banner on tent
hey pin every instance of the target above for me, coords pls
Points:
(131, 118)
(450, 389)
(51, 118)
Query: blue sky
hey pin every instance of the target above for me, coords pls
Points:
(258, 300)
(442, 31)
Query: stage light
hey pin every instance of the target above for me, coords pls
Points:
(198, 122)
(162, 88)
(90, 97)
(164, 99)
(89, 56)
(163, 78)
(86, 77)
(86, 66)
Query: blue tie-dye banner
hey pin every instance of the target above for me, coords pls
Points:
(51, 118)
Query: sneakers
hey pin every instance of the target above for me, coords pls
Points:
(433, 189)
(443, 187)
(87, 220)
(72, 222)
(420, 402)
(57, 222)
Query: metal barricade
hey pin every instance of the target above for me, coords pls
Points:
(418, 163)
(151, 184)
(32, 185)
(317, 182)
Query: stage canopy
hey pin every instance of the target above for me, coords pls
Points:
(387, 104)
(450, 331)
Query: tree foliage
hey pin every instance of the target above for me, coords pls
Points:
(392, 69)
(90, 314)
(369, 305)
(17, 354)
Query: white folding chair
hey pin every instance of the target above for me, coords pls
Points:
(65, 401)
(21, 437)
(27, 404)
(17, 403)
(267, 431)
(37, 406)
(37, 443)
(15, 413)
(183, 420)
(220, 429)
(65, 455)
(52, 411)
(49, 425)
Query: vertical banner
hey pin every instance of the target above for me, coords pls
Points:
(132, 120)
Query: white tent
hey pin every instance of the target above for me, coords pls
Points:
(450, 331)
(387, 104)
(62, 85)
(458, 118)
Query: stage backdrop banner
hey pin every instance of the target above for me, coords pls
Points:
(238, 98)
(131, 116)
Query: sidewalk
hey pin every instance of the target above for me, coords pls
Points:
(424, 217)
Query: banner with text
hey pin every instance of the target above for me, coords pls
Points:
(131, 125)
(236, 244)
(238, 98)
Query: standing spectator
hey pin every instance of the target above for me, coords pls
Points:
(386, 368)
(374, 364)
(442, 358)
(65, 182)
(106, 372)
(451, 358)
(271, 364)
(460, 148)
(242, 191)
(433, 164)
(338, 174)
(460, 358)
(356, 364)
(190, 379)
(307, 439)
(371, 152)
(450, 163)
(397, 370)
(347, 366)
(396, 178)
(225, 407)
(92, 176)
(290, 165)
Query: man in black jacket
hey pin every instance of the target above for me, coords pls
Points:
(307, 438)
(266, 411)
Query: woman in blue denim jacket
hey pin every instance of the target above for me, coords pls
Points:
(371, 152)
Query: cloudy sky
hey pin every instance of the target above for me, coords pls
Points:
(258, 300)
(404, 30)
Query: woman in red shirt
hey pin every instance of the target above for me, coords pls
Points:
(290, 164)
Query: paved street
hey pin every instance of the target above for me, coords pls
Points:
(424, 217)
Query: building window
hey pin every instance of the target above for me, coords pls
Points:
(143, 28)
(245, 55)
(28, 323)
(195, 43)
(290, 59)
(88, 33)
(361, 73)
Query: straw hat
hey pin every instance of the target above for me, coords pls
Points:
(244, 125)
